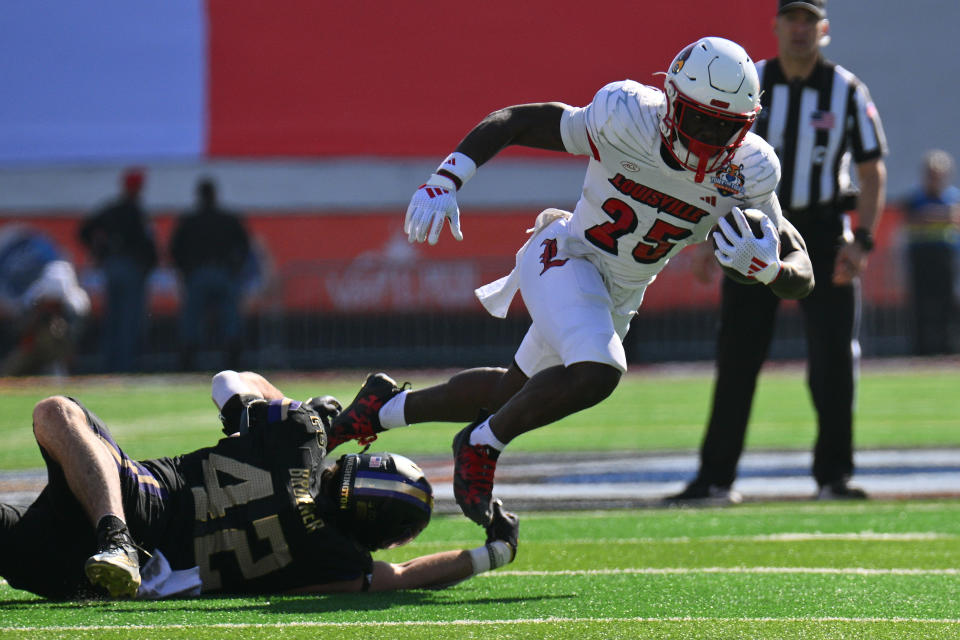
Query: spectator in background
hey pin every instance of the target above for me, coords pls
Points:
(932, 216)
(42, 307)
(209, 247)
(121, 242)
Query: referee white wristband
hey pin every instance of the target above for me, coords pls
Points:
(490, 556)
(459, 165)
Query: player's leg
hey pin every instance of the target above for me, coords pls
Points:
(553, 394)
(833, 355)
(383, 404)
(90, 469)
(465, 395)
(572, 355)
(43, 547)
(747, 314)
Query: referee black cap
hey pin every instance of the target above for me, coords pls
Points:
(816, 7)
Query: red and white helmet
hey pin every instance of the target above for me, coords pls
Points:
(713, 97)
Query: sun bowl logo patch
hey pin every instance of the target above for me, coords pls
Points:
(729, 180)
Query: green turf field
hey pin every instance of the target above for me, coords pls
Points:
(770, 570)
(654, 410)
(759, 570)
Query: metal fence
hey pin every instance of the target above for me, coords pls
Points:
(394, 320)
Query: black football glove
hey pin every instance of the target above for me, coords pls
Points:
(327, 407)
(232, 412)
(504, 526)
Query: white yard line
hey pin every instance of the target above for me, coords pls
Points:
(868, 536)
(858, 571)
(487, 623)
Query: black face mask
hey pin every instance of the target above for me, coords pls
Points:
(705, 128)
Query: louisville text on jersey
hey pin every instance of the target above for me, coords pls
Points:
(660, 201)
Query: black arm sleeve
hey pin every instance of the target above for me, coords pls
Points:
(796, 277)
(529, 125)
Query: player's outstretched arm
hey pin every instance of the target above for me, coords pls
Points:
(443, 569)
(435, 201)
(529, 125)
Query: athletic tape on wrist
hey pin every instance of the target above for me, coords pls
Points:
(490, 556)
(480, 558)
(460, 165)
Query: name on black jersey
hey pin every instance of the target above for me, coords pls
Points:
(300, 485)
(660, 201)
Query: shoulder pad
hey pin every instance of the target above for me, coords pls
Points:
(624, 115)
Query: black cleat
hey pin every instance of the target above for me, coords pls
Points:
(474, 466)
(116, 565)
(701, 494)
(360, 421)
(840, 490)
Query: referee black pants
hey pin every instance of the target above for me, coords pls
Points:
(831, 320)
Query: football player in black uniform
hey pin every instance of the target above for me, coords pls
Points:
(262, 511)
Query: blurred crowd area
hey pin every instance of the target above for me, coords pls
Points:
(313, 293)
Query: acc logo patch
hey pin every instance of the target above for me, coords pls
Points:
(729, 180)
(629, 166)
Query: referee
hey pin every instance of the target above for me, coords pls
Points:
(819, 117)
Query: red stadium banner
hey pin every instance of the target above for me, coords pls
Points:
(306, 78)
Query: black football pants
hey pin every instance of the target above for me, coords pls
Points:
(747, 315)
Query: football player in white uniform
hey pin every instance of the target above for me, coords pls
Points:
(664, 167)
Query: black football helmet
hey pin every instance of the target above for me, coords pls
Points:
(383, 499)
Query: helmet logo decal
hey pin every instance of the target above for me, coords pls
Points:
(681, 59)
(729, 180)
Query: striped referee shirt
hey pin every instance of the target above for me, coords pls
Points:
(817, 126)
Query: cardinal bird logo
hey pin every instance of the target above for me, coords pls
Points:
(549, 253)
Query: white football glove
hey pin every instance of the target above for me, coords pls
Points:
(436, 200)
(743, 252)
(431, 204)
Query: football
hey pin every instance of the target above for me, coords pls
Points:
(754, 218)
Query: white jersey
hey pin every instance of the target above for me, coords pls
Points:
(636, 211)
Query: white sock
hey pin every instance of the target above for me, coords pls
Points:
(484, 435)
(391, 413)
